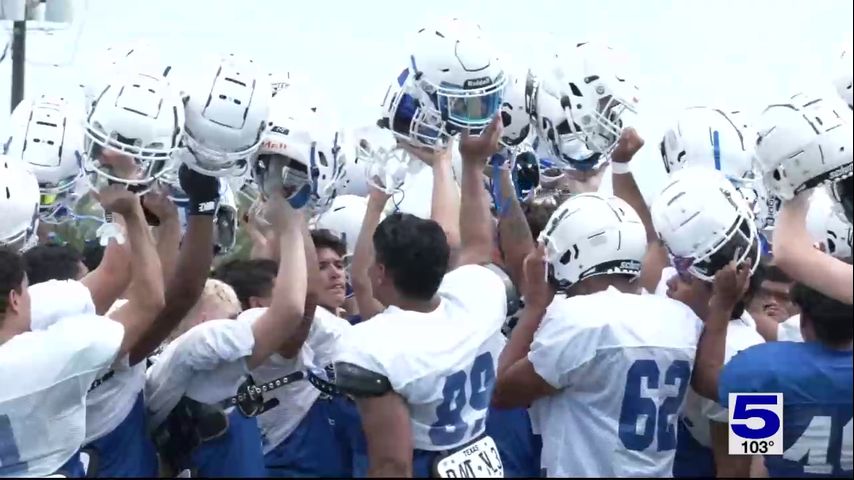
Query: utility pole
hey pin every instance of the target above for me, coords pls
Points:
(19, 55)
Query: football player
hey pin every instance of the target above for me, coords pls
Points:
(704, 222)
(45, 402)
(582, 363)
(196, 427)
(815, 379)
(806, 142)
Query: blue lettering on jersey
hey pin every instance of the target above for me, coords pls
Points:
(10, 457)
(659, 422)
(816, 383)
(449, 427)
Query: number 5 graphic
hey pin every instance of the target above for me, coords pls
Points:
(743, 412)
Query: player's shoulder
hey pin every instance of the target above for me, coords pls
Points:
(55, 299)
(471, 278)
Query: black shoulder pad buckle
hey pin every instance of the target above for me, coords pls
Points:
(348, 379)
(513, 304)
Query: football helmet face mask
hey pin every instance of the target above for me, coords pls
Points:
(403, 115)
(592, 88)
(804, 143)
(300, 154)
(705, 223)
(19, 207)
(825, 226)
(387, 165)
(226, 113)
(132, 131)
(456, 73)
(46, 134)
(590, 235)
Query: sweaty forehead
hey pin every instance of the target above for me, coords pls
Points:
(326, 254)
(776, 287)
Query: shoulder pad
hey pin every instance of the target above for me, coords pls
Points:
(346, 378)
(513, 298)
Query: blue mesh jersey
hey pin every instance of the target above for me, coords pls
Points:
(816, 383)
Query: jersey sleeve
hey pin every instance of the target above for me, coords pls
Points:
(790, 330)
(477, 289)
(89, 343)
(203, 347)
(54, 300)
(561, 345)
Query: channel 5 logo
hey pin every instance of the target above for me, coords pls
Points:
(755, 423)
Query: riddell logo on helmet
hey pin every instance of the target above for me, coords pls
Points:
(477, 82)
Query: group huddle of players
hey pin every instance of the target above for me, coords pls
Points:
(505, 318)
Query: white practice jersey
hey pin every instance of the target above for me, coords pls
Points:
(443, 362)
(295, 399)
(207, 364)
(790, 330)
(623, 364)
(699, 411)
(44, 376)
(112, 397)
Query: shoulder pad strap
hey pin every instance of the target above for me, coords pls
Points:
(348, 379)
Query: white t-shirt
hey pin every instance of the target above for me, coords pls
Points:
(741, 334)
(443, 362)
(295, 399)
(790, 330)
(207, 364)
(44, 376)
(618, 360)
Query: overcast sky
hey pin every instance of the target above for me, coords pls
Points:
(686, 52)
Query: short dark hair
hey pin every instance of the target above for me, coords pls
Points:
(52, 262)
(93, 253)
(773, 273)
(539, 207)
(248, 278)
(12, 271)
(324, 238)
(831, 319)
(414, 251)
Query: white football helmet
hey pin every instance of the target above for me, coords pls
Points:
(591, 87)
(456, 72)
(763, 204)
(132, 130)
(826, 227)
(226, 115)
(842, 79)
(704, 222)
(516, 108)
(344, 218)
(708, 137)
(19, 206)
(46, 133)
(125, 59)
(386, 164)
(804, 143)
(300, 152)
(592, 234)
(403, 115)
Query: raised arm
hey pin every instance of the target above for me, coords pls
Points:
(795, 255)
(167, 233)
(364, 253)
(145, 295)
(477, 230)
(626, 188)
(282, 319)
(514, 234)
(193, 265)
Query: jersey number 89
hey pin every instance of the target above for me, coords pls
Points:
(450, 427)
(658, 421)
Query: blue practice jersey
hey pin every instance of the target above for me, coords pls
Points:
(816, 383)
